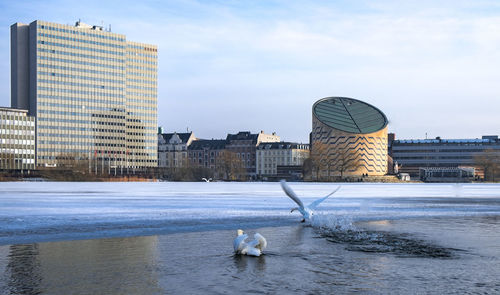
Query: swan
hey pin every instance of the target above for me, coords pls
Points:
(306, 211)
(206, 180)
(252, 248)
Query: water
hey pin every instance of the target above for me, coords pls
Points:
(176, 238)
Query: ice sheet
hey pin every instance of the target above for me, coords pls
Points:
(40, 211)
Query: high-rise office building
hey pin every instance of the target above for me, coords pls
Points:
(93, 93)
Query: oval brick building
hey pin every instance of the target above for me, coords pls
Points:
(349, 137)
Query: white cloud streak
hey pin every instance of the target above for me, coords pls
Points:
(232, 66)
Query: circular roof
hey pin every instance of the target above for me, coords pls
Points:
(349, 115)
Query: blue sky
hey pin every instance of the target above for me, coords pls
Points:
(431, 66)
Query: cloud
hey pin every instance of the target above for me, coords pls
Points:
(232, 65)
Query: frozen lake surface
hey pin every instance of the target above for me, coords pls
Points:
(157, 238)
(46, 211)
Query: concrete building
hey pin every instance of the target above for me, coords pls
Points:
(93, 93)
(413, 154)
(17, 140)
(173, 149)
(244, 145)
(280, 160)
(349, 137)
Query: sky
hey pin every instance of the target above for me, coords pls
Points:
(433, 67)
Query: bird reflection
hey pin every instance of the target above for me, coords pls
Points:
(252, 264)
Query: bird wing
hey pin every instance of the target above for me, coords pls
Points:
(262, 241)
(289, 192)
(239, 242)
(315, 204)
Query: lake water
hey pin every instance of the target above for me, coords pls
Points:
(176, 238)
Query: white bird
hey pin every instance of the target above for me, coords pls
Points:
(206, 180)
(306, 211)
(252, 248)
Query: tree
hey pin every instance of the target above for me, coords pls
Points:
(342, 160)
(489, 161)
(318, 158)
(230, 166)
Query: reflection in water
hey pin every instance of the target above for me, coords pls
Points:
(24, 268)
(106, 266)
(252, 264)
(400, 257)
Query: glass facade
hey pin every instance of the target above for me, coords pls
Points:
(93, 92)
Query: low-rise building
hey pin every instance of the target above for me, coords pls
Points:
(208, 154)
(173, 149)
(17, 140)
(280, 160)
(244, 145)
(413, 154)
(447, 174)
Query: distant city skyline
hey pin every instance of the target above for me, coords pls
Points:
(230, 66)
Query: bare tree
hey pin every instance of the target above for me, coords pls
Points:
(341, 161)
(318, 159)
(230, 166)
(489, 161)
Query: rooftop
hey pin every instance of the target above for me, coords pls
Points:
(349, 115)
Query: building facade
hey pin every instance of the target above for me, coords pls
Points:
(349, 137)
(244, 145)
(173, 149)
(17, 140)
(281, 159)
(93, 93)
(413, 154)
(208, 154)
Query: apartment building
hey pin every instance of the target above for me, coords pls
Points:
(281, 159)
(244, 145)
(173, 149)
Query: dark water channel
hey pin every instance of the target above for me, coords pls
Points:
(411, 256)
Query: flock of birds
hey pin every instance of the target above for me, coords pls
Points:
(259, 243)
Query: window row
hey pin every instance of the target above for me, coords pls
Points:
(17, 132)
(81, 62)
(92, 42)
(71, 69)
(141, 88)
(141, 94)
(59, 75)
(142, 81)
(101, 87)
(80, 47)
(17, 122)
(81, 55)
(80, 99)
(17, 141)
(51, 89)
